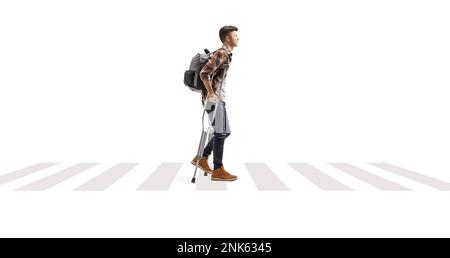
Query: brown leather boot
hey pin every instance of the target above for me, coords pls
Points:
(202, 164)
(221, 175)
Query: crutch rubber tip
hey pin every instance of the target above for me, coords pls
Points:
(193, 180)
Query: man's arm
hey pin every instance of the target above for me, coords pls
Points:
(206, 74)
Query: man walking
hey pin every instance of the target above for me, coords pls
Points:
(213, 75)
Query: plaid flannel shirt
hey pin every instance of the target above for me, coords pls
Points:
(215, 69)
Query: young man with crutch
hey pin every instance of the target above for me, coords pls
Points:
(213, 76)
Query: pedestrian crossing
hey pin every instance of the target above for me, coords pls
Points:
(253, 176)
(369, 178)
(319, 178)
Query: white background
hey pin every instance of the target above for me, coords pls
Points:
(311, 81)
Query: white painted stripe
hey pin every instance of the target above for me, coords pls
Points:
(6, 178)
(421, 178)
(161, 178)
(319, 178)
(56, 178)
(372, 179)
(264, 178)
(106, 179)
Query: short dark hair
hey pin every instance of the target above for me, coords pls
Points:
(225, 30)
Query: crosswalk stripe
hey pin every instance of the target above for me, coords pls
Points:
(244, 183)
(204, 183)
(161, 178)
(24, 172)
(107, 178)
(424, 179)
(264, 178)
(319, 178)
(56, 178)
(372, 179)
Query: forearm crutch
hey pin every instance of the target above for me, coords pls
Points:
(206, 135)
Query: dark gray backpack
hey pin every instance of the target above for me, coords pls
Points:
(192, 76)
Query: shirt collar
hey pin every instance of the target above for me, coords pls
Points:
(228, 52)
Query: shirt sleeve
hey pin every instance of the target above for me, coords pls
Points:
(216, 60)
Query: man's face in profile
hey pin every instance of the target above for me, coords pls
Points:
(234, 39)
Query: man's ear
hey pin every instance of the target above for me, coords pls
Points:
(228, 38)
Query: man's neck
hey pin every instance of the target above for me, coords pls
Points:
(228, 47)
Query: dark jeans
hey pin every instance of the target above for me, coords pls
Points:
(216, 146)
